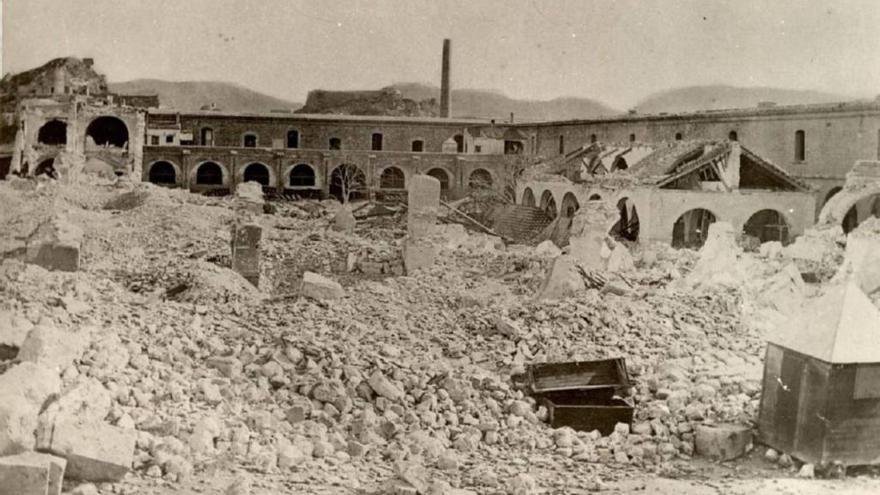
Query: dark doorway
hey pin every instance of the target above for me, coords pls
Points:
(377, 142)
(293, 139)
(528, 197)
(459, 143)
(302, 175)
(480, 179)
(627, 225)
(569, 205)
(767, 225)
(209, 174)
(108, 131)
(548, 204)
(257, 172)
(53, 132)
(418, 146)
(250, 141)
(335, 144)
(163, 173)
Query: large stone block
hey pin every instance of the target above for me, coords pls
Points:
(423, 202)
(246, 251)
(13, 329)
(344, 220)
(563, 280)
(320, 288)
(95, 451)
(32, 381)
(723, 442)
(55, 246)
(31, 473)
(52, 347)
(18, 423)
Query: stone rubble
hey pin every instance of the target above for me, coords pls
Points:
(336, 377)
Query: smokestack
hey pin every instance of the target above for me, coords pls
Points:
(445, 100)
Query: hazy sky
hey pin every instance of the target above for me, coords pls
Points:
(614, 51)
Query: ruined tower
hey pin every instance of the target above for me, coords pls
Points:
(445, 96)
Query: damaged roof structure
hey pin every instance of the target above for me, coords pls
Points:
(670, 192)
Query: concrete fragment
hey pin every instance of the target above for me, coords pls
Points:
(564, 279)
(31, 473)
(55, 246)
(343, 220)
(423, 202)
(321, 288)
(723, 442)
(95, 451)
(247, 252)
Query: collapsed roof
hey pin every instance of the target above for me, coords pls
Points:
(670, 165)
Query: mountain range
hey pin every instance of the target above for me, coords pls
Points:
(193, 95)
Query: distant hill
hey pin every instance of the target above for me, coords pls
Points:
(493, 104)
(718, 97)
(192, 95)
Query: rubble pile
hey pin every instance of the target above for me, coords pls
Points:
(336, 377)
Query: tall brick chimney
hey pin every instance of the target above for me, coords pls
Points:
(445, 96)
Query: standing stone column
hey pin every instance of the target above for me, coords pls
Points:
(246, 252)
(423, 203)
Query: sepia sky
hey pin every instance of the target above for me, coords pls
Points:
(613, 51)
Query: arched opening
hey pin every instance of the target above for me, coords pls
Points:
(206, 136)
(459, 143)
(863, 209)
(209, 174)
(257, 172)
(443, 177)
(595, 197)
(548, 204)
(632, 138)
(733, 136)
(46, 167)
(480, 179)
(627, 225)
(107, 131)
(418, 146)
(392, 178)
(800, 141)
(376, 141)
(293, 139)
(302, 175)
(53, 132)
(162, 173)
(335, 143)
(691, 228)
(678, 136)
(569, 205)
(767, 225)
(619, 164)
(249, 140)
(561, 145)
(348, 182)
(528, 197)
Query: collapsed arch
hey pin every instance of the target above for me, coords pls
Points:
(627, 224)
(53, 132)
(691, 228)
(569, 205)
(108, 131)
(528, 197)
(548, 204)
(767, 225)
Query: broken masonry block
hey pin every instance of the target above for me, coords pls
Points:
(31, 473)
(321, 288)
(246, 252)
(423, 201)
(95, 451)
(418, 254)
(722, 442)
(55, 246)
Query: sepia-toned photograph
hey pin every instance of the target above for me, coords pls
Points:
(439, 247)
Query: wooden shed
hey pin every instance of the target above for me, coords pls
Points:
(820, 401)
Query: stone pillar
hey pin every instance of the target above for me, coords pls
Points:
(246, 251)
(423, 202)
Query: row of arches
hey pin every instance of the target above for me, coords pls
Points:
(689, 230)
(345, 176)
(107, 131)
(251, 139)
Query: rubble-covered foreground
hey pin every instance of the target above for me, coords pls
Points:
(156, 356)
